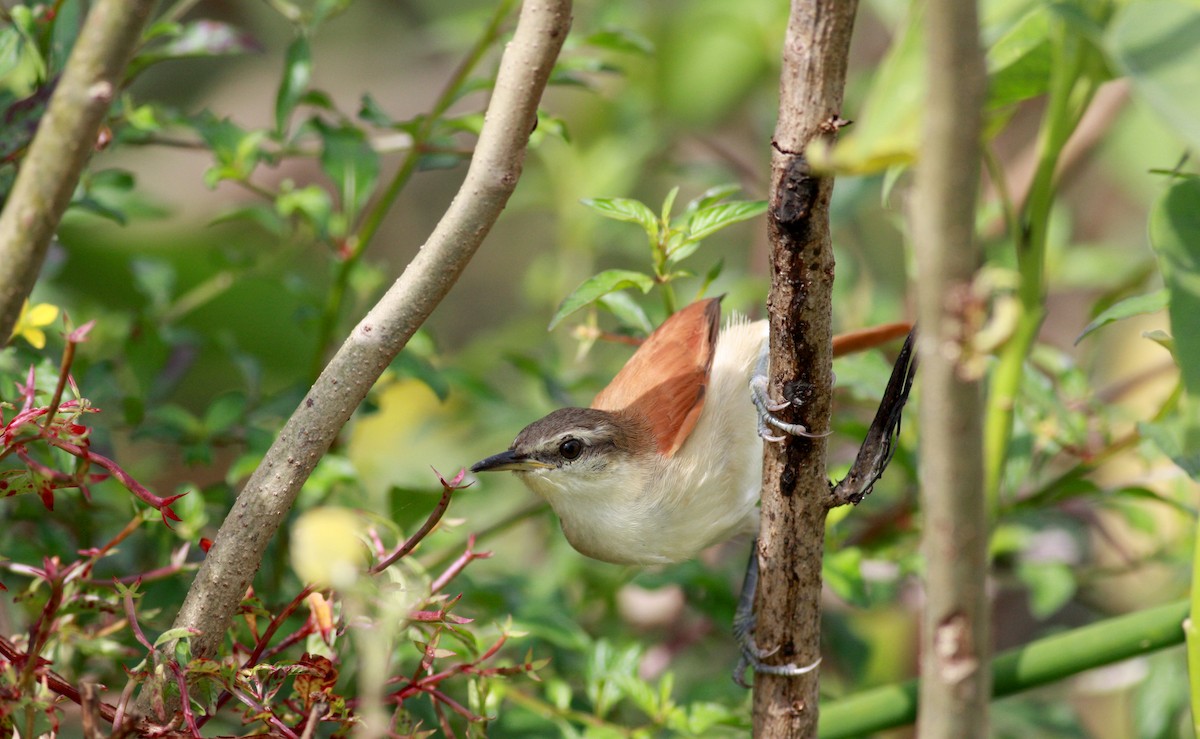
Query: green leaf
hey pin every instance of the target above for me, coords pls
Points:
(410, 364)
(1157, 44)
(628, 312)
(310, 203)
(626, 209)
(182, 632)
(620, 39)
(224, 412)
(10, 50)
(549, 126)
(297, 73)
(711, 196)
(710, 277)
(668, 203)
(1019, 62)
(155, 279)
(1051, 585)
(842, 571)
(887, 130)
(1178, 435)
(370, 111)
(350, 162)
(1138, 305)
(1175, 235)
(236, 151)
(594, 287)
(712, 218)
(178, 419)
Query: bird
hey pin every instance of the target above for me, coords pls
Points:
(667, 460)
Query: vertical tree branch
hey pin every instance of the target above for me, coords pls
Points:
(955, 681)
(795, 486)
(491, 178)
(65, 139)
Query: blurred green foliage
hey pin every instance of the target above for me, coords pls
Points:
(273, 166)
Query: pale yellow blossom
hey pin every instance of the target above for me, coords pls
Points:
(31, 321)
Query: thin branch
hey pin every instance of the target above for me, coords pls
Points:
(795, 485)
(60, 149)
(1024, 668)
(261, 506)
(955, 630)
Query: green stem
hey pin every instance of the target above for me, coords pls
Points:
(1071, 89)
(1038, 663)
(1193, 637)
(357, 242)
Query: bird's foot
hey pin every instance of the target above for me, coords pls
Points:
(743, 632)
(753, 656)
(767, 420)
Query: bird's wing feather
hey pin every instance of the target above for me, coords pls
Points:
(664, 382)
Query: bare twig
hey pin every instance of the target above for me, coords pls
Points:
(795, 486)
(261, 506)
(954, 630)
(64, 141)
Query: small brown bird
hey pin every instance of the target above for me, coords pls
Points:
(667, 461)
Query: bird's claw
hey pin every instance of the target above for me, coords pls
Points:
(752, 656)
(767, 419)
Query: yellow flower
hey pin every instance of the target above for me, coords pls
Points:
(327, 547)
(30, 322)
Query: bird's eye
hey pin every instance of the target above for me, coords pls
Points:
(571, 448)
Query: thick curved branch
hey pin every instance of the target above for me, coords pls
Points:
(65, 139)
(261, 506)
(795, 486)
(954, 628)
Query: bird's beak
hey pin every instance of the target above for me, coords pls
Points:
(509, 460)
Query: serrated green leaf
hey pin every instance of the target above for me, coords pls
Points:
(626, 209)
(1138, 305)
(599, 285)
(1175, 235)
(711, 196)
(297, 73)
(710, 219)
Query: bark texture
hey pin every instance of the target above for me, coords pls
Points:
(955, 680)
(491, 178)
(795, 485)
(65, 139)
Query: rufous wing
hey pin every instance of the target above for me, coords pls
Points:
(664, 382)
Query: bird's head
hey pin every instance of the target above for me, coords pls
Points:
(573, 447)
